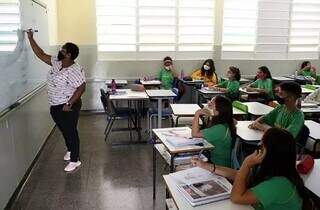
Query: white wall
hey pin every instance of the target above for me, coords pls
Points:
(135, 69)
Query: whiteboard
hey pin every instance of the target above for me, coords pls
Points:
(21, 71)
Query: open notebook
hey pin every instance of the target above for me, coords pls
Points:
(199, 186)
(180, 138)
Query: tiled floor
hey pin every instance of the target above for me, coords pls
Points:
(110, 177)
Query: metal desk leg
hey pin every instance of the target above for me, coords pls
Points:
(159, 112)
(130, 119)
(139, 116)
(172, 163)
(154, 172)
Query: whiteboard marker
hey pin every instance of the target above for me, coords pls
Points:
(26, 31)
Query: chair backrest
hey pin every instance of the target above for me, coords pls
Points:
(310, 87)
(302, 139)
(318, 80)
(108, 106)
(240, 106)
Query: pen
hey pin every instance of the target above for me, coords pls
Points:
(200, 153)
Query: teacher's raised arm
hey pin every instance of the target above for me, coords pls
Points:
(37, 50)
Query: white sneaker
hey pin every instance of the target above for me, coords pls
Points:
(72, 166)
(66, 157)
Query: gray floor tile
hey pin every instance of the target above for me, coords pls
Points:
(110, 177)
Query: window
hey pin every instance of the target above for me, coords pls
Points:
(271, 29)
(239, 28)
(273, 25)
(305, 29)
(151, 29)
(9, 22)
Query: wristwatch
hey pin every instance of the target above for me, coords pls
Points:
(68, 104)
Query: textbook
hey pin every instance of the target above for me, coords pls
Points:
(180, 138)
(182, 141)
(200, 186)
(186, 158)
(309, 105)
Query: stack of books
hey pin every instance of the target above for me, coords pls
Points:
(309, 105)
(183, 141)
(200, 186)
(181, 138)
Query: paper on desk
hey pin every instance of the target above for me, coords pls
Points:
(309, 105)
(192, 175)
(178, 141)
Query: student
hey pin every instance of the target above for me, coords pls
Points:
(207, 73)
(167, 74)
(307, 70)
(313, 97)
(263, 83)
(221, 129)
(232, 85)
(268, 178)
(287, 115)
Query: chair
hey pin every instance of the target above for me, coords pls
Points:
(310, 87)
(241, 106)
(153, 114)
(114, 113)
(301, 141)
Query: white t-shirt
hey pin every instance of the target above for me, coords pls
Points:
(62, 83)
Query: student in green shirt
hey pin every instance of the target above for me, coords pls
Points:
(287, 115)
(232, 85)
(166, 74)
(221, 129)
(307, 70)
(268, 178)
(263, 83)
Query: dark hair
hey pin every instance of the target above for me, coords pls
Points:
(236, 72)
(212, 69)
(167, 58)
(292, 89)
(266, 71)
(280, 160)
(224, 107)
(73, 49)
(304, 64)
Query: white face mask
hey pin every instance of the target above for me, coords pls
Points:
(167, 67)
(206, 67)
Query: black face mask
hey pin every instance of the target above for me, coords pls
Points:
(281, 100)
(60, 56)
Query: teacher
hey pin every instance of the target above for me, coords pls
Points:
(66, 83)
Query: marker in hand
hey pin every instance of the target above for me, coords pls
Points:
(30, 30)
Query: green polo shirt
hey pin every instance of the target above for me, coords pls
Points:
(219, 136)
(265, 85)
(281, 117)
(166, 78)
(232, 87)
(308, 73)
(277, 193)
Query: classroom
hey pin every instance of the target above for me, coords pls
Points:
(167, 104)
